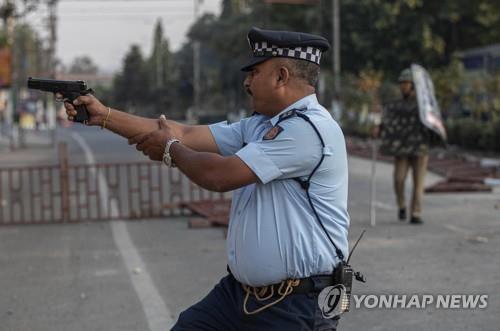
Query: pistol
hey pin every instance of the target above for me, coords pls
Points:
(70, 90)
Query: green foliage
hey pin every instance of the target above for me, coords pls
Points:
(391, 35)
(28, 59)
(386, 36)
(131, 86)
(146, 84)
(447, 84)
(474, 135)
(158, 64)
(3, 38)
(377, 37)
(28, 47)
(476, 95)
(223, 51)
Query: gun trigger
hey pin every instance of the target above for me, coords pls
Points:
(359, 277)
(87, 91)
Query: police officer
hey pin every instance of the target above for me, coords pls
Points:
(287, 165)
(406, 138)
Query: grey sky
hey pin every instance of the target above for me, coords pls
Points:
(105, 29)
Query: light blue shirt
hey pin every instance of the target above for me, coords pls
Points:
(273, 234)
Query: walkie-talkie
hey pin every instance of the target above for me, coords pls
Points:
(344, 274)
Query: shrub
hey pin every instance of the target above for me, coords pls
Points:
(474, 135)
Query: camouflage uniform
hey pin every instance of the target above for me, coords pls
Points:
(403, 134)
(408, 140)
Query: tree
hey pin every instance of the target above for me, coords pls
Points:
(391, 35)
(131, 86)
(159, 62)
(383, 36)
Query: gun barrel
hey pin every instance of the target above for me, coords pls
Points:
(34, 83)
(52, 85)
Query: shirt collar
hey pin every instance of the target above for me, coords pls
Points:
(303, 103)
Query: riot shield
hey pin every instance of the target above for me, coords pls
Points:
(428, 108)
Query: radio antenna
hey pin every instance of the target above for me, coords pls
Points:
(356, 244)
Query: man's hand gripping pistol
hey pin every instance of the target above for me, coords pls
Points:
(70, 90)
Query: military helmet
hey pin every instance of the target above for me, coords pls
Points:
(405, 76)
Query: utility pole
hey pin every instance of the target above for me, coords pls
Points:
(196, 65)
(51, 107)
(336, 102)
(52, 10)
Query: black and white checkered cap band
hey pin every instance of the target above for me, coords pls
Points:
(308, 53)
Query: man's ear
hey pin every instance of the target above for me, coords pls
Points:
(283, 76)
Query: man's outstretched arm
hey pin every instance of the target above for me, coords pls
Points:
(133, 127)
(208, 170)
(211, 171)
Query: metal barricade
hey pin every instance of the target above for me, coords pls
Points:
(75, 193)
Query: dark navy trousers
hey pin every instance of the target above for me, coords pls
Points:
(222, 310)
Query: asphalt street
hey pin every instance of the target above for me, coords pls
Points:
(139, 275)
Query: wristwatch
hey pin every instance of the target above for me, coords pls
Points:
(167, 159)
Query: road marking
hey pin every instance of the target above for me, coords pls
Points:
(458, 229)
(158, 315)
(385, 206)
(378, 204)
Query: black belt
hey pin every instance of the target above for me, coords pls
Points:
(312, 284)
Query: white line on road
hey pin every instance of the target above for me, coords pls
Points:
(378, 204)
(458, 229)
(382, 205)
(158, 315)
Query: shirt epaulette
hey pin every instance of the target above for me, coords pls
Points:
(287, 114)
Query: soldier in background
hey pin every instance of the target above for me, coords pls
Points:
(406, 138)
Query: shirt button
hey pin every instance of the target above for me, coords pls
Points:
(239, 212)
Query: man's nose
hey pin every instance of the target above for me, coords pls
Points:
(246, 82)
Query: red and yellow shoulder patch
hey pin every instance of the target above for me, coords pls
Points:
(273, 133)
